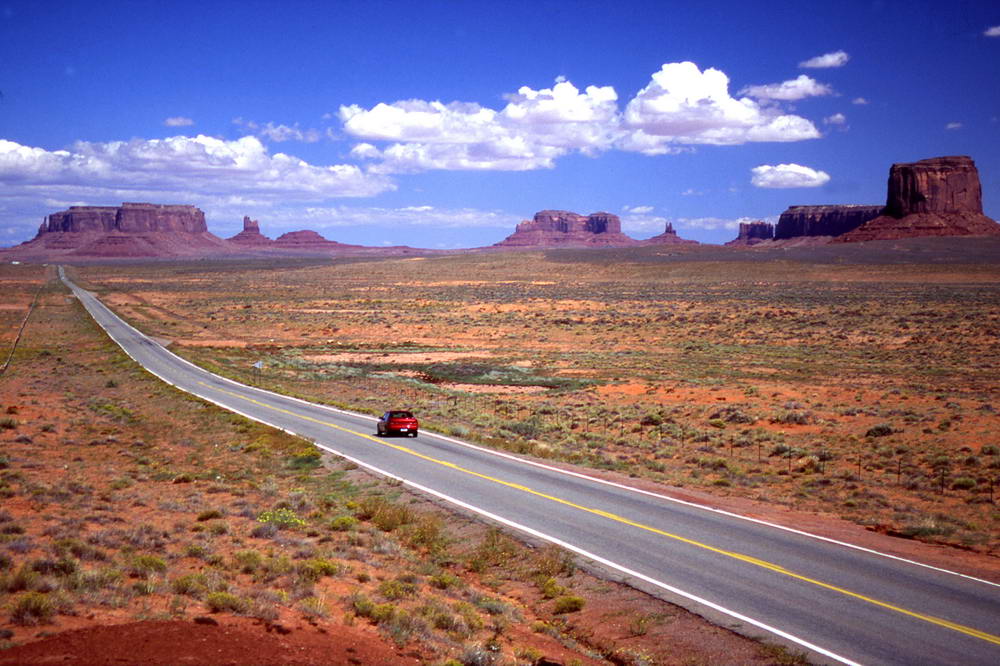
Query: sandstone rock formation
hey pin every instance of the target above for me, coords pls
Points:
(251, 235)
(127, 218)
(129, 230)
(668, 237)
(308, 241)
(940, 196)
(753, 233)
(560, 228)
(823, 220)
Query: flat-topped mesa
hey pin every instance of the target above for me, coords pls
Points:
(753, 233)
(935, 185)
(823, 220)
(251, 234)
(127, 218)
(552, 228)
(669, 237)
(940, 196)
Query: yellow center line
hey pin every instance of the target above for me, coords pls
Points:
(625, 521)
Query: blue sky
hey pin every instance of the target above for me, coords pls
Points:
(442, 124)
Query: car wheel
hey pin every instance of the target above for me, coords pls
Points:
(413, 434)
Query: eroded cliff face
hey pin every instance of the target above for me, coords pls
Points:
(823, 220)
(251, 234)
(127, 218)
(553, 228)
(753, 233)
(940, 196)
(936, 185)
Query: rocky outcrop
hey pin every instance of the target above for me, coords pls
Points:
(560, 228)
(126, 231)
(940, 196)
(308, 241)
(127, 218)
(823, 220)
(753, 233)
(668, 237)
(251, 236)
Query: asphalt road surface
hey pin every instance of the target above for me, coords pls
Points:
(840, 603)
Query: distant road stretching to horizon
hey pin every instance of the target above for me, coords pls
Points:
(841, 603)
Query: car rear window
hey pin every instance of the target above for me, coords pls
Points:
(400, 415)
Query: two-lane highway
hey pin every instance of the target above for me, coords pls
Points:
(843, 603)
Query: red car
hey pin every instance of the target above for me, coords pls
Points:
(397, 422)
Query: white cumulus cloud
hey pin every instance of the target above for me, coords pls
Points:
(680, 107)
(953, 126)
(860, 101)
(993, 32)
(835, 119)
(178, 121)
(534, 128)
(178, 168)
(827, 60)
(787, 175)
(684, 105)
(798, 88)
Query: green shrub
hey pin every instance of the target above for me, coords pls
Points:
(210, 514)
(282, 518)
(880, 430)
(191, 585)
(316, 568)
(248, 561)
(382, 613)
(963, 483)
(343, 523)
(8, 423)
(445, 580)
(363, 606)
(91, 580)
(146, 565)
(21, 580)
(551, 589)
(385, 515)
(218, 602)
(396, 589)
(568, 604)
(313, 607)
(33, 608)
(306, 459)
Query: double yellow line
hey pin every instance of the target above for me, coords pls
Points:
(969, 631)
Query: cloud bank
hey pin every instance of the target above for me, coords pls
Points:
(681, 106)
(178, 167)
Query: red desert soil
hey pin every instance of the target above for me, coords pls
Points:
(231, 641)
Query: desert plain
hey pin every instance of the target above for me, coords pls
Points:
(850, 391)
